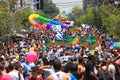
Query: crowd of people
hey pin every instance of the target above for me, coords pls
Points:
(56, 62)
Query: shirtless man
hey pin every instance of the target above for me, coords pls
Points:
(58, 75)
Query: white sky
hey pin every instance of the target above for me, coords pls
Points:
(67, 5)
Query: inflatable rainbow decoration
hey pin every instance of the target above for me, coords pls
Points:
(41, 27)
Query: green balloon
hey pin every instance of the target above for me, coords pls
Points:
(25, 51)
(44, 19)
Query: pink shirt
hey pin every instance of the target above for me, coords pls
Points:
(5, 77)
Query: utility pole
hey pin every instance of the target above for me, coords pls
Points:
(21, 3)
(84, 6)
(13, 16)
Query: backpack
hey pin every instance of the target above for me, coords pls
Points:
(19, 76)
(104, 74)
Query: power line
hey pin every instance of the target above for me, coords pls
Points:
(69, 6)
(69, 2)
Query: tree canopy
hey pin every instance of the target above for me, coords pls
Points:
(21, 17)
(105, 17)
(50, 8)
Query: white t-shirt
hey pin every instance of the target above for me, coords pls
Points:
(50, 55)
(15, 75)
(22, 44)
(111, 67)
(58, 75)
(48, 72)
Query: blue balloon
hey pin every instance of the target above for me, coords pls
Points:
(66, 26)
(58, 23)
(49, 26)
(55, 22)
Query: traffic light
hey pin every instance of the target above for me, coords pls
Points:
(40, 4)
(12, 8)
(21, 3)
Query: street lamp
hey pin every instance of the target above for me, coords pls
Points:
(15, 12)
(13, 15)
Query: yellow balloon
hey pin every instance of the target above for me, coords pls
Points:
(32, 49)
(17, 56)
(33, 16)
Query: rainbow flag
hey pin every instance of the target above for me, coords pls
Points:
(93, 45)
(88, 38)
(92, 52)
(68, 42)
(59, 42)
(73, 28)
(67, 37)
(48, 43)
(75, 40)
(82, 38)
(84, 43)
(93, 38)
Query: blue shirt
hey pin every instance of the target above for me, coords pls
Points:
(72, 76)
(27, 67)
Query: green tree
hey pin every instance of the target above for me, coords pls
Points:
(4, 21)
(75, 13)
(50, 8)
(87, 18)
(97, 17)
(110, 20)
(21, 21)
(104, 17)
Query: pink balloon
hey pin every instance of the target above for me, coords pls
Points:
(31, 56)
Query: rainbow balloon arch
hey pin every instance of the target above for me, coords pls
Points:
(41, 27)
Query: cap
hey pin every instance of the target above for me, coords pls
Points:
(14, 61)
(65, 59)
(85, 56)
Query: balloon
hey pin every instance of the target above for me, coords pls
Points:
(62, 17)
(44, 19)
(48, 26)
(32, 21)
(17, 56)
(40, 26)
(31, 56)
(32, 49)
(32, 16)
(71, 23)
(25, 51)
(55, 22)
(66, 26)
